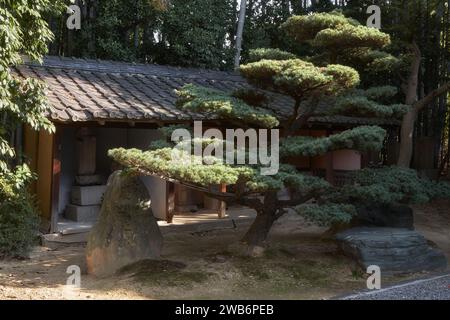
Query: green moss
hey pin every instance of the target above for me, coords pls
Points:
(164, 273)
(283, 270)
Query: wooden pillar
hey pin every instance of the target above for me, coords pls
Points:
(223, 206)
(170, 201)
(56, 176)
(44, 169)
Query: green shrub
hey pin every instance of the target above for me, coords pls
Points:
(19, 221)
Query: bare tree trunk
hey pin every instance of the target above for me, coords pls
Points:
(240, 31)
(409, 119)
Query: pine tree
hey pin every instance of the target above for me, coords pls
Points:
(310, 82)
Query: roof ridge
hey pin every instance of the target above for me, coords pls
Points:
(120, 67)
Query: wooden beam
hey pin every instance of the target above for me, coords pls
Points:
(192, 186)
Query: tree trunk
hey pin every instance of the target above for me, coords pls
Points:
(409, 119)
(260, 228)
(407, 130)
(406, 138)
(240, 31)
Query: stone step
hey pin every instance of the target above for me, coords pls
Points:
(54, 240)
(82, 213)
(87, 195)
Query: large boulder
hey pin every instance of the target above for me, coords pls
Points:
(126, 231)
(394, 250)
(390, 216)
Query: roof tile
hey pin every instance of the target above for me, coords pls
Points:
(89, 90)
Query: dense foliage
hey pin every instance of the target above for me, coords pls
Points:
(18, 218)
(179, 32)
(23, 30)
(373, 187)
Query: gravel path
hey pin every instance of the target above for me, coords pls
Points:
(435, 288)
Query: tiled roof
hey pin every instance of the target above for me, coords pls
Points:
(93, 90)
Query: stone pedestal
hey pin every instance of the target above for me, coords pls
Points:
(87, 195)
(82, 213)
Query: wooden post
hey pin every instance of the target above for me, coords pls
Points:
(223, 206)
(56, 176)
(170, 201)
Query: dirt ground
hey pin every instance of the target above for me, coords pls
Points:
(298, 264)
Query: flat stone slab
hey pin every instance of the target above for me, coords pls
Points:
(89, 180)
(394, 250)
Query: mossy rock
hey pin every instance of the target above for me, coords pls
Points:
(126, 231)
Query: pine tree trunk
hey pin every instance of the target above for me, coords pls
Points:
(260, 228)
(406, 136)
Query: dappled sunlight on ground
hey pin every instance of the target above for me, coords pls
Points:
(299, 263)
